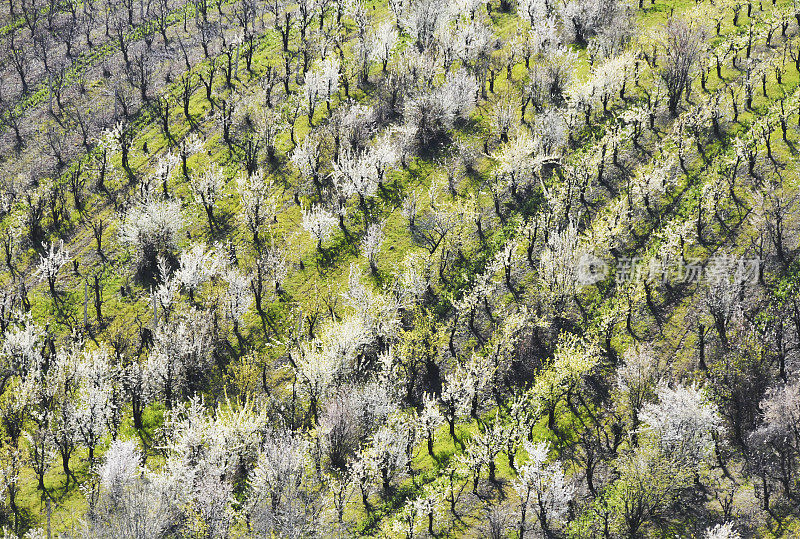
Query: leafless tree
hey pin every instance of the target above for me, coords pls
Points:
(682, 44)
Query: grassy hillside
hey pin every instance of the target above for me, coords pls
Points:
(425, 268)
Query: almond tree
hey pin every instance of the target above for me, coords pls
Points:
(484, 448)
(542, 487)
(11, 241)
(164, 169)
(384, 41)
(430, 115)
(307, 158)
(282, 500)
(558, 262)
(42, 452)
(724, 298)
(358, 12)
(63, 388)
(470, 382)
(23, 350)
(12, 464)
(378, 313)
(237, 300)
(636, 383)
(682, 44)
(722, 531)
(340, 490)
(363, 473)
(682, 424)
(430, 419)
(259, 202)
(352, 126)
(332, 358)
(319, 222)
(271, 268)
(383, 156)
(421, 21)
(585, 18)
(389, 449)
(371, 244)
(472, 42)
(322, 83)
(350, 416)
(515, 163)
(406, 520)
(573, 359)
(134, 384)
(151, 228)
(209, 453)
(119, 140)
(94, 410)
(428, 505)
(535, 11)
(164, 295)
(55, 258)
(776, 444)
(306, 9)
(132, 502)
(269, 125)
(454, 396)
(208, 187)
(197, 266)
(190, 146)
(284, 18)
(181, 356)
(15, 407)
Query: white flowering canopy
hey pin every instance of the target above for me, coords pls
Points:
(682, 422)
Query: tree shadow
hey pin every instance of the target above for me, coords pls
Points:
(391, 192)
(330, 257)
(224, 225)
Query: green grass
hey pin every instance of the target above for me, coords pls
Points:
(325, 273)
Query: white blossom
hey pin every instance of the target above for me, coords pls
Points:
(197, 266)
(55, 258)
(543, 484)
(384, 41)
(152, 228)
(259, 201)
(319, 222)
(322, 83)
(132, 503)
(371, 243)
(682, 422)
(722, 531)
(280, 504)
(238, 297)
(22, 347)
